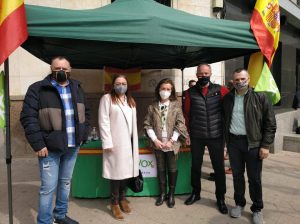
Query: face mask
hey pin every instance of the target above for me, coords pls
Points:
(60, 76)
(203, 80)
(164, 94)
(120, 89)
(241, 85)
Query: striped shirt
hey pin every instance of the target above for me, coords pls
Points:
(66, 98)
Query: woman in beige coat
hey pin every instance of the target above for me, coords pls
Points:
(164, 124)
(118, 131)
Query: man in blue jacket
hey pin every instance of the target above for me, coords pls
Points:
(55, 120)
(250, 128)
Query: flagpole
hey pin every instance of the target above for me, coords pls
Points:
(8, 142)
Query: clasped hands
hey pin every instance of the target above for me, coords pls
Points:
(160, 145)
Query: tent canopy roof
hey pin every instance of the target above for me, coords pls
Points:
(134, 33)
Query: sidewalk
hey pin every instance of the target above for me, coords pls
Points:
(281, 188)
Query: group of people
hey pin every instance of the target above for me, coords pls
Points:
(55, 120)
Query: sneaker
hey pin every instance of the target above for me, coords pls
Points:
(65, 220)
(236, 212)
(258, 218)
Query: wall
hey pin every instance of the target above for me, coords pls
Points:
(288, 74)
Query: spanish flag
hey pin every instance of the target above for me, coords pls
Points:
(13, 27)
(133, 76)
(265, 24)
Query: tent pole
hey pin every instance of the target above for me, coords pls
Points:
(8, 142)
(182, 81)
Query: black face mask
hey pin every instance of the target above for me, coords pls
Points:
(203, 80)
(60, 76)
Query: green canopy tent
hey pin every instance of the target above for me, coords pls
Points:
(134, 33)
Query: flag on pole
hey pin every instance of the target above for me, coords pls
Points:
(2, 105)
(267, 84)
(265, 24)
(133, 76)
(13, 27)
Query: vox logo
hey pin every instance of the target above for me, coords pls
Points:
(146, 163)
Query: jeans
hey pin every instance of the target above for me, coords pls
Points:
(55, 172)
(240, 157)
(216, 153)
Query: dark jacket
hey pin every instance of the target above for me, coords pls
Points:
(206, 112)
(260, 119)
(43, 116)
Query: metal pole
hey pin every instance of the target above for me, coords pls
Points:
(8, 142)
(182, 80)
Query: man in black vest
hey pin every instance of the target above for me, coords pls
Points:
(203, 114)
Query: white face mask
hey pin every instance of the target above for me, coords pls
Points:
(164, 94)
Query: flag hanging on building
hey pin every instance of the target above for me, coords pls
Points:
(13, 27)
(133, 76)
(2, 105)
(267, 84)
(265, 24)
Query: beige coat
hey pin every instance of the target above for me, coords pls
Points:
(121, 163)
(175, 121)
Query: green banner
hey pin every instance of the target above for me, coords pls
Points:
(267, 84)
(2, 101)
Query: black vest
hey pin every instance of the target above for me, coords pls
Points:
(206, 112)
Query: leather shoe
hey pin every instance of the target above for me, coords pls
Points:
(222, 206)
(192, 199)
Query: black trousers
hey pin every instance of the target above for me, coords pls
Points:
(240, 157)
(118, 190)
(216, 153)
(166, 161)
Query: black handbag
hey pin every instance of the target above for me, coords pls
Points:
(136, 184)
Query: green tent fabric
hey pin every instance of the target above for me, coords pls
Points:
(134, 33)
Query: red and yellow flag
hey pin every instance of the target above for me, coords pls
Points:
(13, 27)
(133, 76)
(265, 24)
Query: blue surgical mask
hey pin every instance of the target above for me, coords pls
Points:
(120, 89)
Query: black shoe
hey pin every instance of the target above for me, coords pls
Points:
(65, 220)
(222, 206)
(192, 199)
(212, 177)
(160, 200)
(171, 200)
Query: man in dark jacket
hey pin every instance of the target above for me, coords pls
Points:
(203, 115)
(54, 117)
(250, 128)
